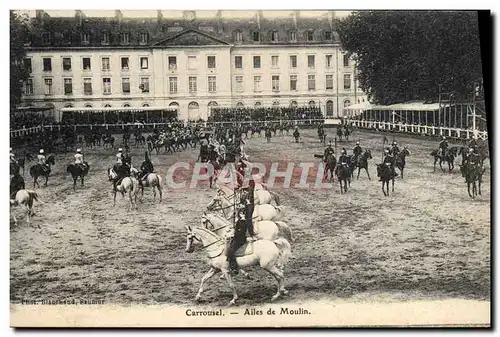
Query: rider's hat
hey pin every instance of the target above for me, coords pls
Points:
(471, 149)
(120, 149)
(444, 137)
(78, 150)
(41, 151)
(394, 143)
(386, 150)
(357, 143)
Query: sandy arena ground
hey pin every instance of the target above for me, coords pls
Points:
(427, 241)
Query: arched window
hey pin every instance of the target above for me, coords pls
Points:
(329, 108)
(107, 105)
(347, 103)
(276, 103)
(145, 105)
(175, 104)
(240, 105)
(126, 105)
(257, 104)
(212, 104)
(68, 106)
(312, 104)
(193, 111)
(238, 36)
(294, 104)
(192, 105)
(88, 105)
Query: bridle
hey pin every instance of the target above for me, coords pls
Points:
(193, 236)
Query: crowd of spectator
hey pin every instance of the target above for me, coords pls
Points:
(264, 114)
(25, 119)
(115, 117)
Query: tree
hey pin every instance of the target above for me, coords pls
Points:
(406, 55)
(19, 36)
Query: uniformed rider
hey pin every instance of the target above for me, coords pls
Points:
(329, 150)
(146, 168)
(394, 148)
(79, 159)
(443, 146)
(296, 133)
(473, 157)
(41, 160)
(357, 150)
(122, 170)
(389, 162)
(343, 159)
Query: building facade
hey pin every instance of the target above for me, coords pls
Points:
(189, 63)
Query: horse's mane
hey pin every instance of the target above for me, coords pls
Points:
(207, 231)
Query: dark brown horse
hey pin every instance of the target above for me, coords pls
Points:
(449, 157)
(362, 162)
(473, 173)
(330, 164)
(401, 160)
(386, 175)
(38, 171)
(78, 171)
(344, 175)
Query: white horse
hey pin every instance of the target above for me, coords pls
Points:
(225, 205)
(269, 255)
(261, 196)
(128, 185)
(152, 180)
(25, 198)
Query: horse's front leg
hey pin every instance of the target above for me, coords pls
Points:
(479, 185)
(82, 180)
(114, 198)
(46, 180)
(74, 183)
(160, 191)
(359, 170)
(435, 162)
(392, 185)
(368, 173)
(341, 187)
(233, 288)
(441, 166)
(383, 188)
(205, 277)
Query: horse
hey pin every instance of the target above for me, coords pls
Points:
(37, 170)
(25, 198)
(263, 229)
(400, 160)
(128, 185)
(347, 132)
(330, 164)
(152, 180)
(260, 212)
(385, 173)
(449, 157)
(269, 255)
(343, 175)
(362, 162)
(339, 133)
(76, 171)
(473, 173)
(108, 140)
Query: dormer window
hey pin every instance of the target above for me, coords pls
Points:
(274, 36)
(124, 38)
(238, 36)
(328, 35)
(85, 38)
(105, 38)
(255, 36)
(293, 36)
(46, 38)
(144, 38)
(310, 35)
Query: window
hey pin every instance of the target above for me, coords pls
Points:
(310, 35)
(274, 36)
(105, 64)
(107, 105)
(88, 105)
(256, 62)
(239, 83)
(240, 105)
(211, 62)
(191, 62)
(346, 60)
(145, 105)
(126, 85)
(106, 86)
(144, 62)
(212, 104)
(347, 103)
(47, 64)
(212, 84)
(312, 104)
(193, 84)
(257, 104)
(329, 108)
(66, 63)
(293, 36)
(256, 84)
(28, 87)
(172, 84)
(86, 63)
(329, 59)
(293, 61)
(310, 61)
(275, 79)
(238, 62)
(276, 103)
(126, 105)
(311, 82)
(294, 104)
(27, 65)
(87, 86)
(85, 38)
(105, 38)
(48, 86)
(125, 61)
(255, 36)
(144, 86)
(329, 82)
(238, 37)
(328, 35)
(143, 38)
(293, 82)
(124, 38)
(347, 81)
(46, 38)
(172, 62)
(274, 61)
(68, 86)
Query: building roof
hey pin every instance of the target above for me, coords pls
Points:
(67, 31)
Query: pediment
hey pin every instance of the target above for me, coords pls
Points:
(190, 37)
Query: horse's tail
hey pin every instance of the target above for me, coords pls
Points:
(68, 168)
(285, 230)
(285, 251)
(276, 197)
(34, 196)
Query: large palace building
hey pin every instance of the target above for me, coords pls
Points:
(191, 60)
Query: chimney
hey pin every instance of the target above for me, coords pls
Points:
(219, 21)
(118, 16)
(259, 17)
(296, 15)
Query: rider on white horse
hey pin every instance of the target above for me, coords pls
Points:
(146, 168)
(121, 171)
(41, 160)
(237, 240)
(79, 161)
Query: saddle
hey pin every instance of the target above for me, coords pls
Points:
(244, 250)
